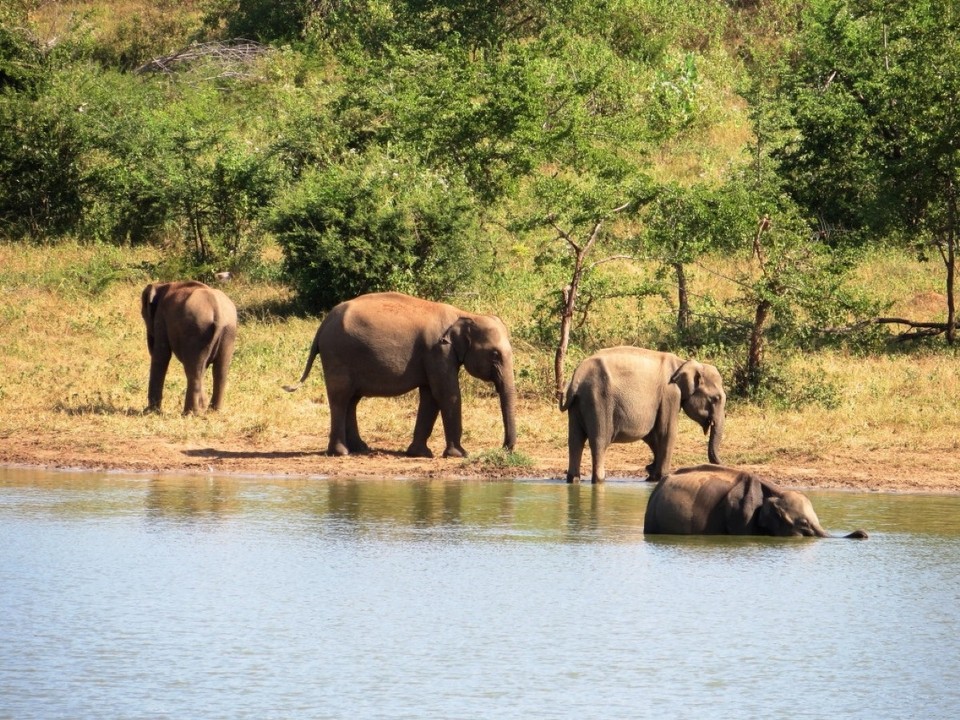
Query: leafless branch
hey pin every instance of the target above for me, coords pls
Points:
(230, 54)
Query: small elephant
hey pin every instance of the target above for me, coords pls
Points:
(198, 324)
(624, 394)
(716, 500)
(387, 344)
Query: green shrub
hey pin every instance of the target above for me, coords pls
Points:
(375, 223)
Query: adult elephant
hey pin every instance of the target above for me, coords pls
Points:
(624, 394)
(717, 500)
(387, 344)
(198, 324)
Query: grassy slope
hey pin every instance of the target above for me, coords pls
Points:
(73, 372)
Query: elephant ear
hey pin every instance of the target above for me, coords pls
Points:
(458, 337)
(687, 377)
(742, 503)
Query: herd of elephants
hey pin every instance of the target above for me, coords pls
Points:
(388, 344)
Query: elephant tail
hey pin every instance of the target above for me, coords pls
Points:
(568, 398)
(314, 351)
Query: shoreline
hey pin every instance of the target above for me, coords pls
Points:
(393, 466)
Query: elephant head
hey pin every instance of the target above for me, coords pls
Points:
(482, 346)
(755, 506)
(703, 400)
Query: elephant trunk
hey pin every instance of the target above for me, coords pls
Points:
(508, 408)
(716, 437)
(855, 535)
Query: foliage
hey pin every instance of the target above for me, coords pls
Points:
(40, 178)
(455, 115)
(377, 222)
(263, 20)
(872, 96)
(21, 60)
(681, 224)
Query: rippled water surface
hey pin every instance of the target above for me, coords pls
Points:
(143, 597)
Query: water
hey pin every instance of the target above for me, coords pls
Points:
(143, 597)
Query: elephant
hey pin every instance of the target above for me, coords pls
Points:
(387, 344)
(198, 324)
(717, 500)
(624, 394)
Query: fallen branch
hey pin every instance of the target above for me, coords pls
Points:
(916, 330)
(230, 54)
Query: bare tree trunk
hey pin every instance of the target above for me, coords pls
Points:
(754, 367)
(683, 301)
(566, 317)
(569, 307)
(755, 352)
(951, 263)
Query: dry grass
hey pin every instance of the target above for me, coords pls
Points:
(73, 382)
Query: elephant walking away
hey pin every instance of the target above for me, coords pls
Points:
(624, 394)
(716, 500)
(198, 324)
(387, 344)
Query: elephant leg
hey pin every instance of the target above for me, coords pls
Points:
(159, 362)
(339, 407)
(452, 417)
(576, 439)
(221, 369)
(427, 412)
(355, 443)
(661, 441)
(649, 469)
(598, 452)
(194, 402)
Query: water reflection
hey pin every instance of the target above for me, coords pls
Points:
(550, 510)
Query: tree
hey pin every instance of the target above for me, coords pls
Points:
(681, 224)
(872, 94)
(592, 138)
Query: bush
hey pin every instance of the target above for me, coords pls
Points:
(40, 184)
(375, 223)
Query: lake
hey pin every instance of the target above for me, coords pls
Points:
(137, 596)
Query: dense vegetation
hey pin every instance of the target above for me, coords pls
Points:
(580, 159)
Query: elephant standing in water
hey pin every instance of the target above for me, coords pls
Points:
(624, 394)
(716, 500)
(387, 344)
(198, 324)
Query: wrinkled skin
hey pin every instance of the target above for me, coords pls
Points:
(196, 323)
(624, 394)
(717, 500)
(387, 344)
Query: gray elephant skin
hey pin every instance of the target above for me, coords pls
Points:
(717, 500)
(198, 324)
(624, 394)
(387, 344)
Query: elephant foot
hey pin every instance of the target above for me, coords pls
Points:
(417, 450)
(653, 473)
(337, 450)
(573, 479)
(360, 448)
(454, 451)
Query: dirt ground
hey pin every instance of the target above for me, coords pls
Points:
(302, 456)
